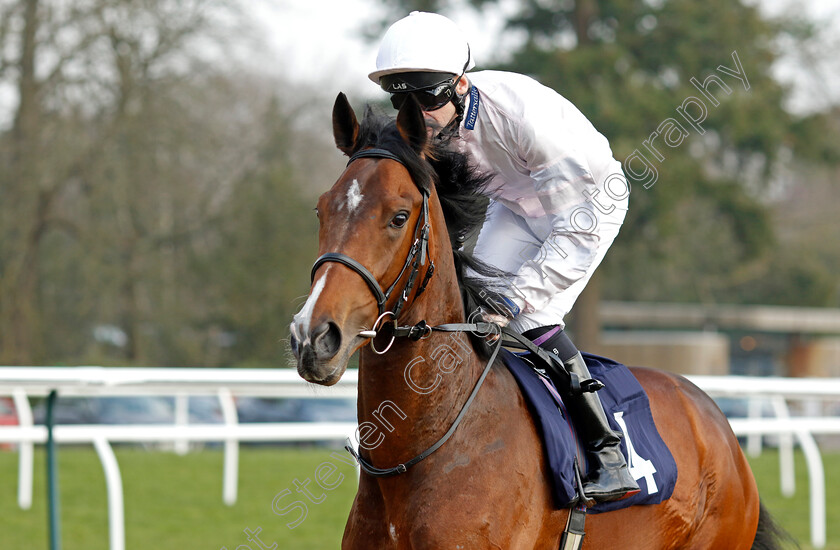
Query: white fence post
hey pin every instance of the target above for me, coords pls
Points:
(754, 441)
(182, 418)
(113, 484)
(231, 465)
(816, 477)
(25, 450)
(787, 473)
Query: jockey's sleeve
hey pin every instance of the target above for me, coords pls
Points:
(559, 159)
(563, 259)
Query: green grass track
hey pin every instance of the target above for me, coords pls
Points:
(175, 502)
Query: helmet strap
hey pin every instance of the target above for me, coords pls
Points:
(451, 129)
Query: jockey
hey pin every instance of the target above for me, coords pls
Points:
(557, 199)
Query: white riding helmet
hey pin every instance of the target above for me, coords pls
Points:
(423, 42)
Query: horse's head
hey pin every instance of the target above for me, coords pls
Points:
(374, 226)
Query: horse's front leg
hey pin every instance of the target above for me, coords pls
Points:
(367, 526)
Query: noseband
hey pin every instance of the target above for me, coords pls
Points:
(416, 256)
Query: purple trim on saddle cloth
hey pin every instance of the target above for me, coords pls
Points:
(539, 340)
(628, 411)
(579, 450)
(553, 391)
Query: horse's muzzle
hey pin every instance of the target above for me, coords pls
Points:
(316, 350)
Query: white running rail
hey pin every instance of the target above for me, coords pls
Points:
(24, 382)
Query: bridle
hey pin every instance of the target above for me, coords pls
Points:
(415, 261)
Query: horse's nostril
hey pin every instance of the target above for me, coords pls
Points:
(326, 339)
(295, 345)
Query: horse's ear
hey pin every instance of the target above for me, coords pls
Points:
(345, 125)
(412, 125)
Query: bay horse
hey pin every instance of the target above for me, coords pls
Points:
(397, 215)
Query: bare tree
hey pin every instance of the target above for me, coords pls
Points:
(89, 77)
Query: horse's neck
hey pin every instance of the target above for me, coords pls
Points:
(410, 396)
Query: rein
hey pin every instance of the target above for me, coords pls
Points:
(402, 468)
(513, 339)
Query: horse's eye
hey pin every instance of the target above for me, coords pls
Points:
(317, 213)
(399, 220)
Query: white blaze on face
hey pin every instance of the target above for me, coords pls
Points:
(354, 196)
(301, 321)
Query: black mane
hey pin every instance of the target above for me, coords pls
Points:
(461, 190)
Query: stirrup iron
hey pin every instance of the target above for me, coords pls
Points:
(579, 387)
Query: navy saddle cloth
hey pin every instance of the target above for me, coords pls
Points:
(628, 411)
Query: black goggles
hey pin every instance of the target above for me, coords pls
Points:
(430, 99)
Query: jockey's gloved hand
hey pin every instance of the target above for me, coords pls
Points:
(500, 320)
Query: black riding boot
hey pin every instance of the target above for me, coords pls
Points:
(609, 478)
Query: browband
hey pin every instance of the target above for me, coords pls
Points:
(375, 153)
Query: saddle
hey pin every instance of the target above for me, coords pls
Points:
(628, 410)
